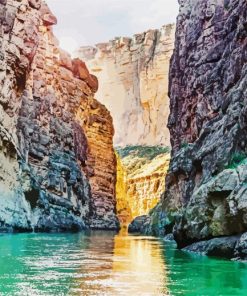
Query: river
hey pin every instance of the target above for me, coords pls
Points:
(105, 263)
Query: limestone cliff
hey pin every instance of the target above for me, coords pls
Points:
(140, 179)
(51, 128)
(206, 183)
(133, 76)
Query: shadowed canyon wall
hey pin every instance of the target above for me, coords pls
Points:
(133, 75)
(206, 183)
(58, 167)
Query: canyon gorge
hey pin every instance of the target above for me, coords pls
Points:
(204, 203)
(122, 163)
(63, 169)
(133, 84)
(58, 166)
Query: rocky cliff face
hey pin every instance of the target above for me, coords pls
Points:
(101, 165)
(133, 76)
(206, 183)
(140, 179)
(51, 128)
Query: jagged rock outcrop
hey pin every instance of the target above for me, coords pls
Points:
(140, 179)
(48, 119)
(133, 76)
(206, 182)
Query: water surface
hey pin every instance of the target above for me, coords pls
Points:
(103, 263)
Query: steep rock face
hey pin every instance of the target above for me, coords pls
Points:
(101, 164)
(206, 183)
(141, 179)
(18, 42)
(50, 164)
(133, 76)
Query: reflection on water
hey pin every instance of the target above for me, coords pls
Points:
(102, 263)
(138, 261)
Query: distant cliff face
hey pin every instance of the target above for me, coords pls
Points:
(207, 178)
(51, 128)
(133, 76)
(140, 180)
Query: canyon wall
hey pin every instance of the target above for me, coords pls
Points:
(58, 167)
(133, 75)
(140, 180)
(206, 182)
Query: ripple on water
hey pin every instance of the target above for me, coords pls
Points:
(102, 263)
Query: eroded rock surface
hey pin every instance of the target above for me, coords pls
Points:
(51, 128)
(133, 84)
(206, 182)
(141, 179)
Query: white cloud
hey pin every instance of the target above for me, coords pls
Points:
(92, 21)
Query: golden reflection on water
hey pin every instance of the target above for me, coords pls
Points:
(123, 265)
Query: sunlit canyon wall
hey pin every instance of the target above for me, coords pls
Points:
(140, 181)
(133, 76)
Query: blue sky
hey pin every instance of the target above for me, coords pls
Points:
(87, 22)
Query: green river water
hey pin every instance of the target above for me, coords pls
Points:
(102, 263)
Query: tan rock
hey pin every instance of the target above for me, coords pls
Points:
(133, 84)
(140, 182)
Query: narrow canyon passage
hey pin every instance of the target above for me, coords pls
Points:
(133, 85)
(123, 164)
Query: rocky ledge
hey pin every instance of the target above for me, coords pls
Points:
(230, 247)
(57, 163)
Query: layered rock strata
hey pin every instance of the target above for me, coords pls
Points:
(206, 182)
(101, 164)
(133, 76)
(51, 130)
(141, 179)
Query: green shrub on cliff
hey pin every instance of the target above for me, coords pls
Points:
(148, 152)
